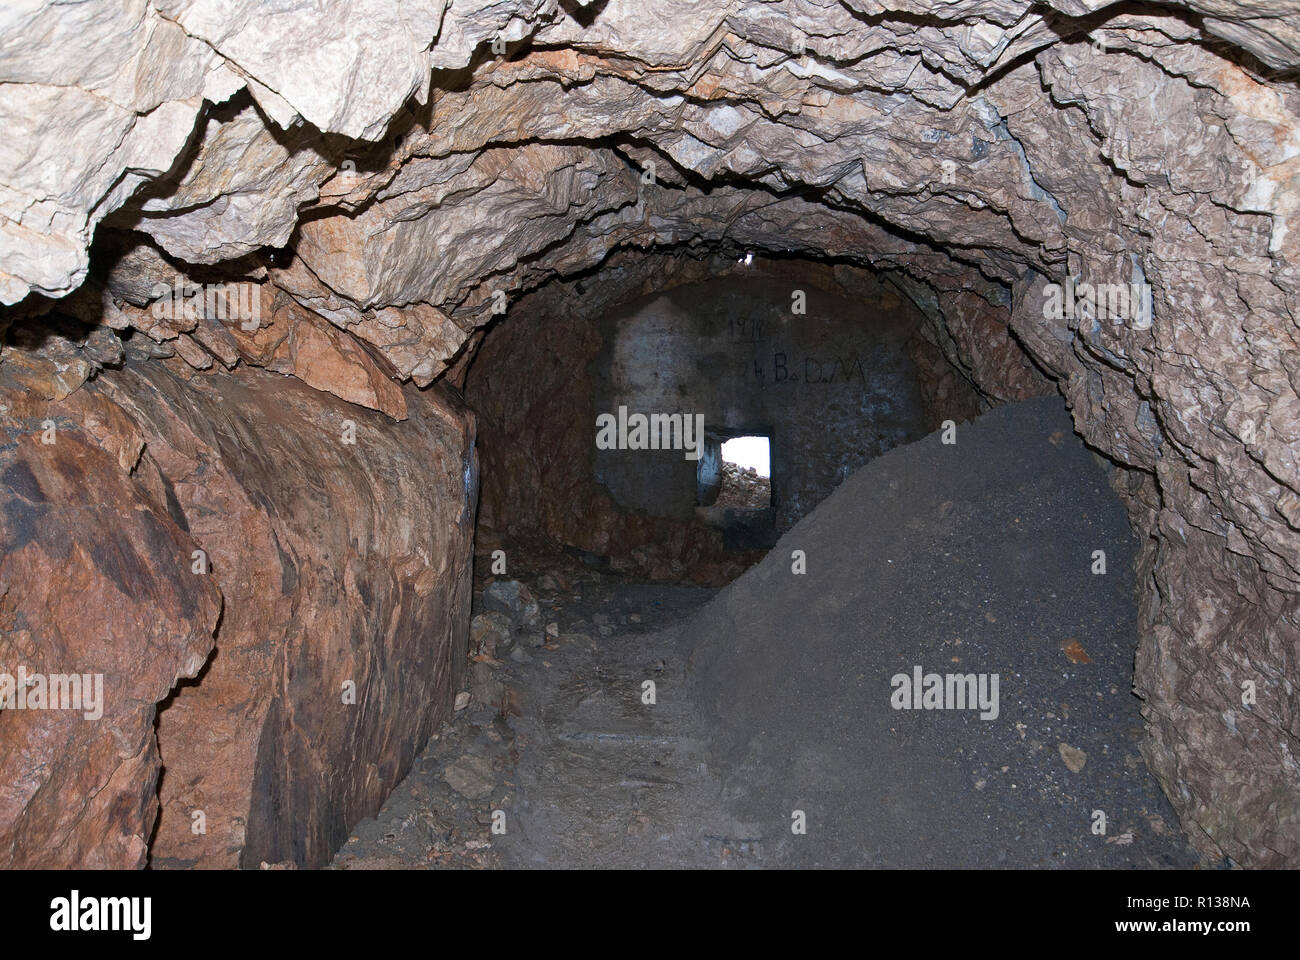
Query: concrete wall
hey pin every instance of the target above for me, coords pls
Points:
(832, 388)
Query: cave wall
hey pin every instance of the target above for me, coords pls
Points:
(412, 164)
(94, 580)
(340, 573)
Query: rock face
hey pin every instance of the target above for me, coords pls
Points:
(335, 544)
(95, 582)
(345, 572)
(422, 166)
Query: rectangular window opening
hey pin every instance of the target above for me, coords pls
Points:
(745, 481)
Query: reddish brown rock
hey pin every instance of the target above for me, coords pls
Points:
(344, 568)
(94, 580)
(338, 540)
(330, 360)
(291, 339)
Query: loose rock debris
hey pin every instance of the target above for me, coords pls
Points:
(681, 726)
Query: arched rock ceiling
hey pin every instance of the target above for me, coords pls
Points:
(1057, 145)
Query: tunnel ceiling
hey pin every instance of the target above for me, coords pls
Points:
(1010, 134)
(423, 158)
(409, 160)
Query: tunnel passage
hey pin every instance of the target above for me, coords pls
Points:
(1003, 163)
(832, 374)
(954, 573)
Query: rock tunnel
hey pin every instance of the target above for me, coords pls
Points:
(311, 318)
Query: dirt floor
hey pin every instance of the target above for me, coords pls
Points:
(770, 736)
(572, 761)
